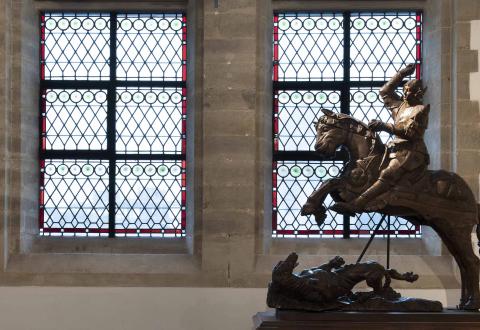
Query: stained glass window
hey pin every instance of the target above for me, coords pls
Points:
(113, 124)
(337, 61)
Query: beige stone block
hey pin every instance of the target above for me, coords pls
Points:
(229, 122)
(223, 98)
(467, 61)
(468, 163)
(229, 26)
(462, 35)
(468, 112)
(228, 172)
(221, 147)
(238, 7)
(242, 255)
(228, 76)
(468, 136)
(229, 197)
(462, 86)
(229, 51)
(230, 221)
(466, 10)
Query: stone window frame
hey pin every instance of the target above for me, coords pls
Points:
(222, 248)
(427, 249)
(53, 260)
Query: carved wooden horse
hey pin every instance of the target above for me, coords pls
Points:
(439, 199)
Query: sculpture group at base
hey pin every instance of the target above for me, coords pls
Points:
(329, 287)
(393, 180)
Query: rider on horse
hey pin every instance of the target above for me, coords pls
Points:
(407, 152)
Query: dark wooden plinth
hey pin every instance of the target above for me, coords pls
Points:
(293, 320)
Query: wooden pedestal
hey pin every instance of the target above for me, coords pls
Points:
(294, 320)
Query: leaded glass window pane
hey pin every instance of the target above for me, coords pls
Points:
(150, 47)
(382, 44)
(113, 127)
(149, 198)
(294, 181)
(309, 47)
(75, 197)
(149, 120)
(297, 110)
(312, 69)
(75, 119)
(75, 46)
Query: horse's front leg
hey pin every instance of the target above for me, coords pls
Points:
(314, 204)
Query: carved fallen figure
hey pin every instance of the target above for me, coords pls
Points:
(393, 179)
(329, 287)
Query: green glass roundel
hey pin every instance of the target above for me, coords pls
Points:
(358, 23)
(137, 170)
(87, 169)
(75, 24)
(320, 172)
(176, 24)
(295, 171)
(372, 97)
(163, 170)
(100, 24)
(62, 169)
(283, 24)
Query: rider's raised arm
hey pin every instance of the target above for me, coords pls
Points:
(387, 92)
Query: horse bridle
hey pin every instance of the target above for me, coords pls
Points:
(330, 121)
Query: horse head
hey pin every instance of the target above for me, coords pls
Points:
(337, 129)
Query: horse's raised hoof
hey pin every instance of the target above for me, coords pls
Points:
(343, 208)
(320, 217)
(307, 209)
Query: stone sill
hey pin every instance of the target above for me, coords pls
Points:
(101, 263)
(109, 245)
(351, 246)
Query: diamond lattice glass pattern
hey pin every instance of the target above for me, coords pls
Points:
(150, 120)
(74, 119)
(74, 198)
(131, 118)
(150, 198)
(294, 181)
(75, 46)
(366, 105)
(382, 43)
(151, 46)
(308, 47)
(364, 224)
(297, 112)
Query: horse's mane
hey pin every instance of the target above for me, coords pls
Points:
(347, 121)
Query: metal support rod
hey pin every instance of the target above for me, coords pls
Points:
(371, 238)
(388, 242)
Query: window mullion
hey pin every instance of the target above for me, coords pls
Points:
(345, 94)
(111, 125)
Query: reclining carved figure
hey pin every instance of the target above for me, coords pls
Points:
(329, 286)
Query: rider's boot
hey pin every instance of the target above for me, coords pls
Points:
(358, 204)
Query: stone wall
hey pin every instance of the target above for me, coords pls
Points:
(229, 152)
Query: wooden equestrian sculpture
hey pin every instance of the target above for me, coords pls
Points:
(393, 179)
